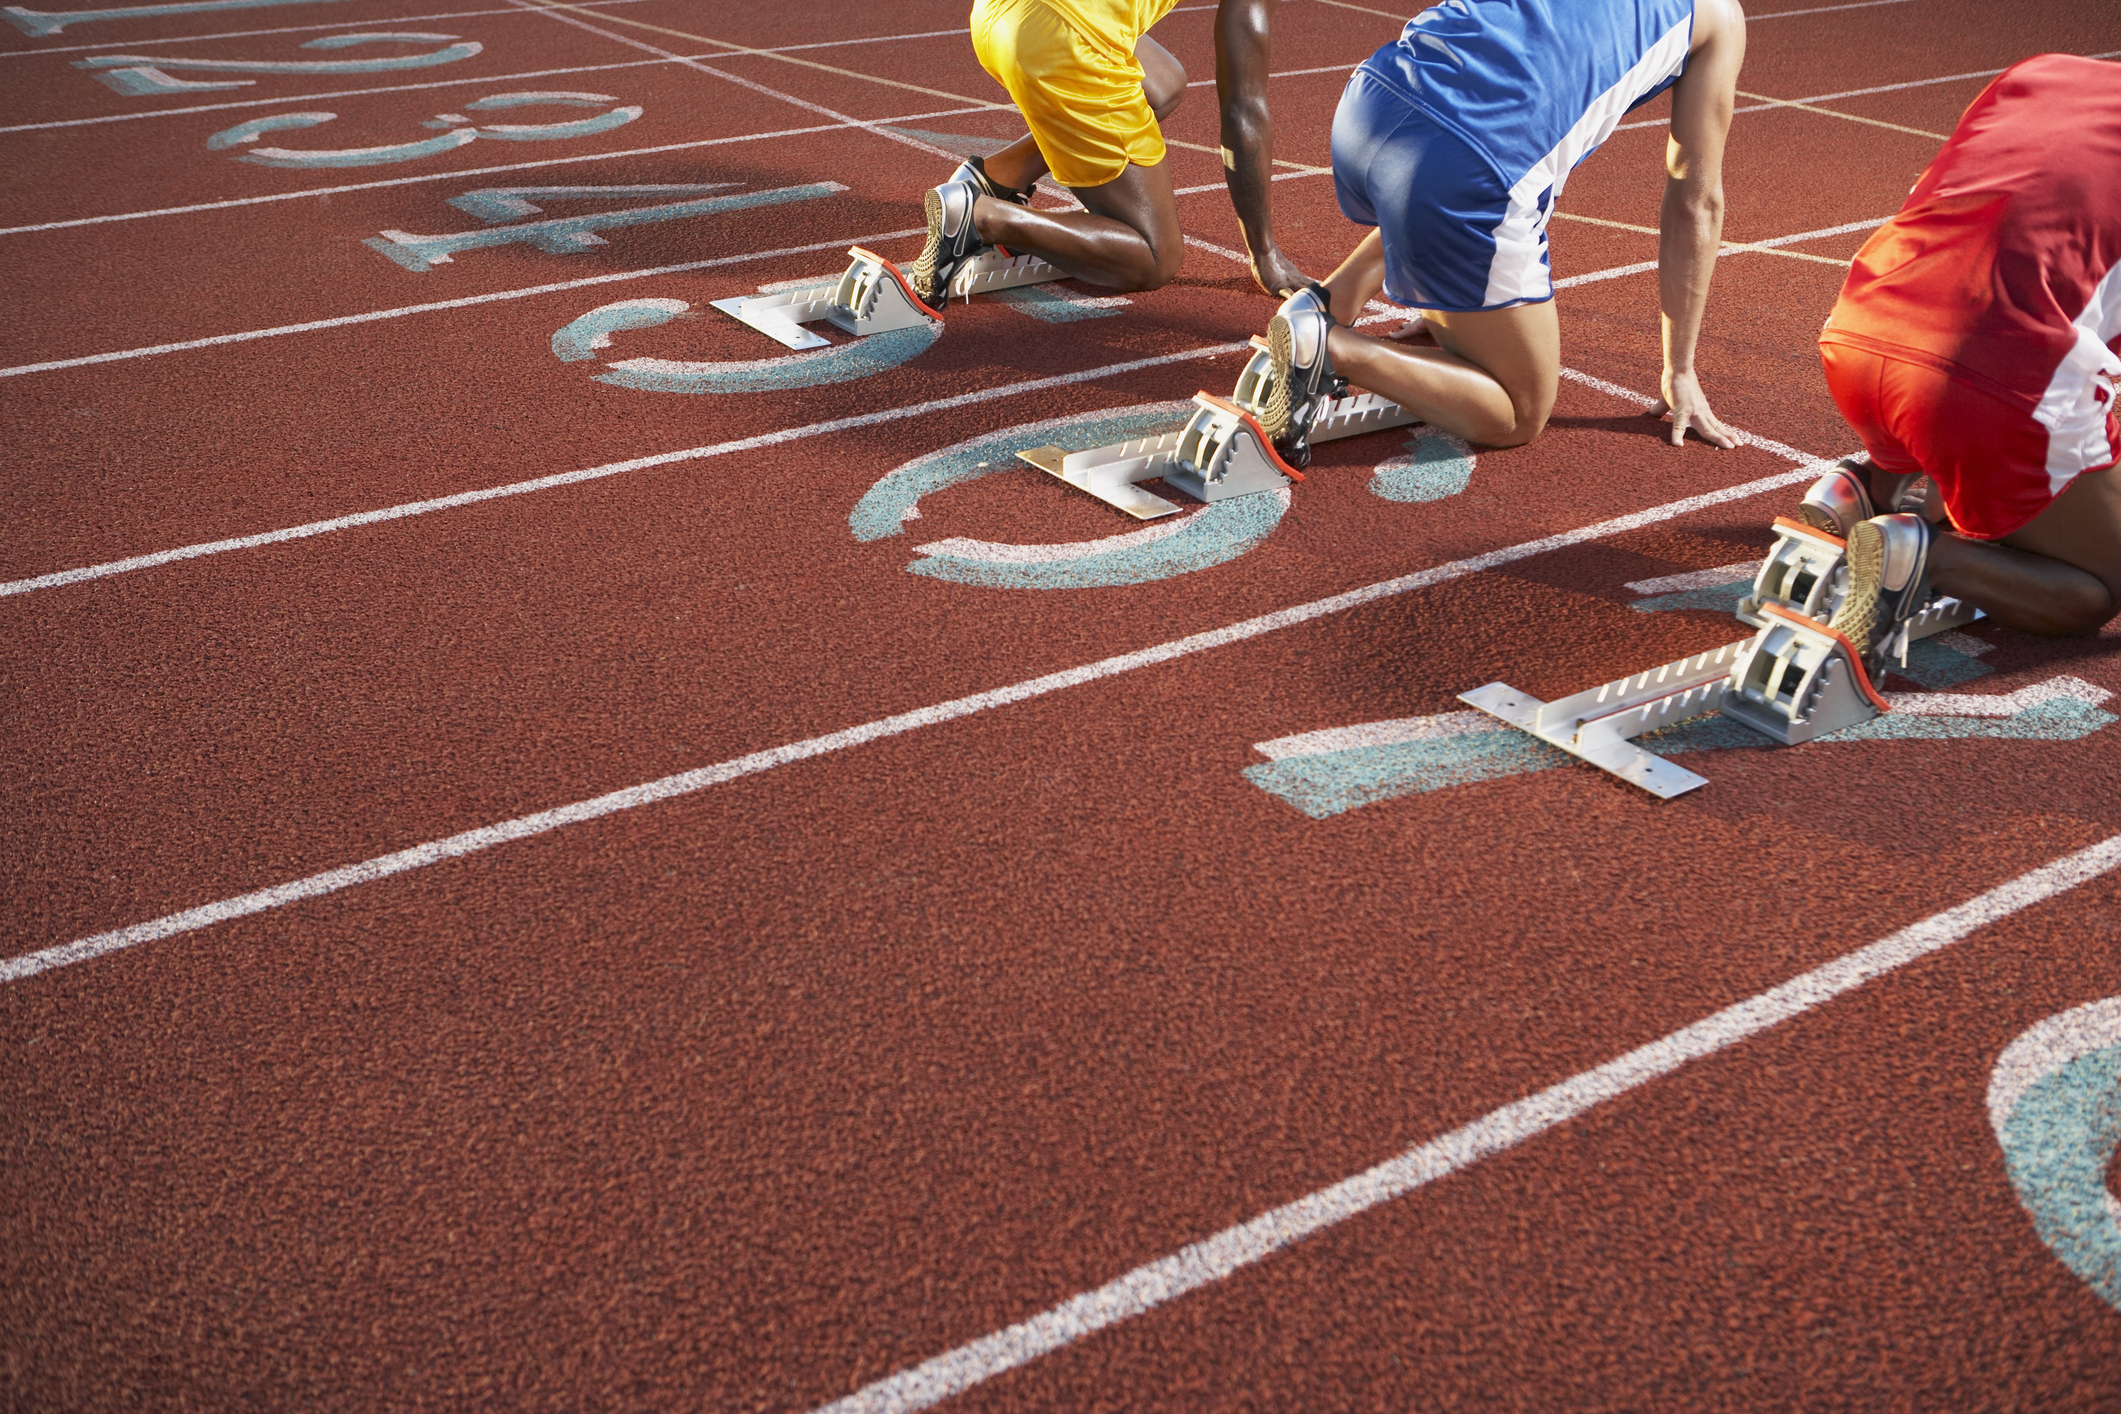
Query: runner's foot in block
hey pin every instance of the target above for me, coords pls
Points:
(1839, 501)
(1855, 491)
(952, 240)
(1888, 579)
(1303, 378)
(974, 170)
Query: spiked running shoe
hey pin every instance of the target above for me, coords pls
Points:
(1839, 501)
(952, 240)
(1888, 580)
(1303, 373)
(974, 170)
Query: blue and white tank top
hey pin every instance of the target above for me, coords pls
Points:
(1534, 86)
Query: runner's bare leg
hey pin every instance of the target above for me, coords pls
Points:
(1127, 236)
(1491, 378)
(2059, 575)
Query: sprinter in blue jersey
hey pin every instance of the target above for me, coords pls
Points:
(1454, 142)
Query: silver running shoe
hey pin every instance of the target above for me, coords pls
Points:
(952, 240)
(1839, 501)
(1303, 380)
(1889, 559)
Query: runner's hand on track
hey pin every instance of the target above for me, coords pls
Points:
(1277, 274)
(1689, 407)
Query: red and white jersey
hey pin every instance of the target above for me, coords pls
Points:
(2001, 269)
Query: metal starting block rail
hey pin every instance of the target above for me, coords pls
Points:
(874, 295)
(1793, 681)
(1222, 453)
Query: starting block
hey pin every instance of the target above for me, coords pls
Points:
(1222, 453)
(1793, 681)
(874, 295)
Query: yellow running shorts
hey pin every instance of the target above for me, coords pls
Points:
(1080, 93)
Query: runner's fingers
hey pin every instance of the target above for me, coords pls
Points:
(1710, 430)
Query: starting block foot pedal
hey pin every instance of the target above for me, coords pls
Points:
(1797, 680)
(1221, 454)
(1805, 572)
(1224, 453)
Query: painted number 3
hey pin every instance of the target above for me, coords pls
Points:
(459, 131)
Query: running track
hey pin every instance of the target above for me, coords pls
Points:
(534, 879)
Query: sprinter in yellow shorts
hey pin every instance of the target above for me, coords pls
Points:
(1092, 88)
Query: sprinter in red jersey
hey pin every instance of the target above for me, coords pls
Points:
(1975, 345)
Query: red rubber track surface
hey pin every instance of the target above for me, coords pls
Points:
(750, 1098)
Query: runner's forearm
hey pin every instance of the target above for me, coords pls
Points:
(1241, 62)
(1690, 230)
(1248, 170)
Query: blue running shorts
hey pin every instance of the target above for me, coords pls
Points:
(1437, 202)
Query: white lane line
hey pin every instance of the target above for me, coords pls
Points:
(343, 320)
(1850, 92)
(843, 43)
(460, 15)
(1813, 465)
(321, 97)
(1277, 177)
(82, 574)
(871, 126)
(1730, 248)
(688, 782)
(1911, 83)
(1347, 68)
(1823, 10)
(488, 171)
(594, 473)
(1212, 1259)
(347, 25)
(151, 350)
